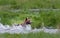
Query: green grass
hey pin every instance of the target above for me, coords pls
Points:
(30, 35)
(49, 18)
(26, 4)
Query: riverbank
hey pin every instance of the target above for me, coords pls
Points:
(30, 35)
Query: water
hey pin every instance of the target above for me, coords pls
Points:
(21, 29)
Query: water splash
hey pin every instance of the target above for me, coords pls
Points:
(21, 29)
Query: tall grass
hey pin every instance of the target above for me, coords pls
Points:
(30, 35)
(49, 18)
(26, 4)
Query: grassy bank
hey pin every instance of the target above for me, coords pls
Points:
(30, 35)
(26, 4)
(42, 18)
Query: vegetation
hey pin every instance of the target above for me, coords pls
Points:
(43, 18)
(30, 35)
(26, 4)
(49, 18)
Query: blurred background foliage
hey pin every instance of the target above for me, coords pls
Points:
(26, 4)
(42, 18)
(49, 18)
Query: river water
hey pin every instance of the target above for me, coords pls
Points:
(24, 29)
